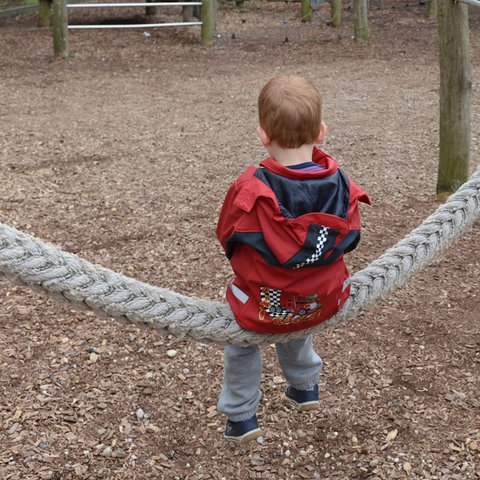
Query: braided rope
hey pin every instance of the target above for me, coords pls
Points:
(45, 267)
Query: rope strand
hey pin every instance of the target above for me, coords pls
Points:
(66, 276)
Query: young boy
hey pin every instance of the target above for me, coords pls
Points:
(285, 227)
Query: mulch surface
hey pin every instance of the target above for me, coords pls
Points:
(122, 154)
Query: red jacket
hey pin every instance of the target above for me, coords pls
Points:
(285, 232)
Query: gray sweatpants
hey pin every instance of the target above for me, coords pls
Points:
(241, 393)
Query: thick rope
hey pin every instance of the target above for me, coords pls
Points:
(45, 267)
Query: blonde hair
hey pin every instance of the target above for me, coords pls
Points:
(290, 111)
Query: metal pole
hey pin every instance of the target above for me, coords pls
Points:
(473, 3)
(136, 25)
(136, 4)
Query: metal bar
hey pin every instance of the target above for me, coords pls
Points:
(473, 3)
(143, 25)
(120, 4)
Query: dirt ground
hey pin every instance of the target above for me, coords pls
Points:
(122, 155)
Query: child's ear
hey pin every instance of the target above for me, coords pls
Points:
(322, 134)
(262, 135)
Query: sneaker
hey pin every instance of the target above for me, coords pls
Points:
(243, 431)
(302, 400)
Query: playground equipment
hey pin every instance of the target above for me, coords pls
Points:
(472, 3)
(134, 4)
(44, 267)
(61, 26)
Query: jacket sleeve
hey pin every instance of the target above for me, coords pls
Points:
(238, 202)
(357, 195)
(229, 215)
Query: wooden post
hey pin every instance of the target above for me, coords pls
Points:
(455, 97)
(44, 13)
(150, 11)
(432, 9)
(306, 11)
(208, 15)
(60, 29)
(360, 20)
(336, 13)
(189, 13)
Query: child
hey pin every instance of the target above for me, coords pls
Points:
(285, 227)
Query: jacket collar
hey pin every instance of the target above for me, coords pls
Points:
(318, 156)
